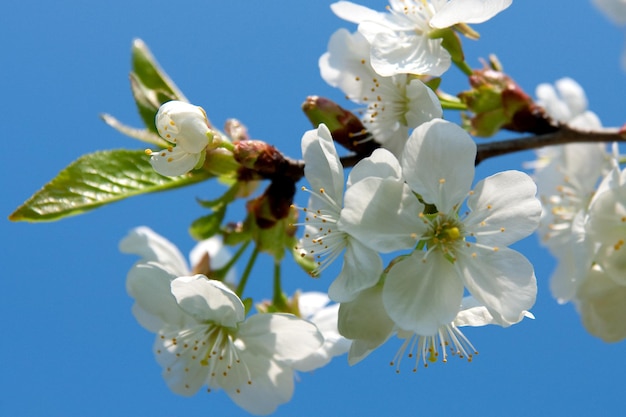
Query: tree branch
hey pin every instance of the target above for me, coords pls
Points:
(562, 136)
(294, 169)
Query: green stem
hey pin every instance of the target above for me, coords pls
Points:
(278, 300)
(246, 272)
(462, 65)
(451, 105)
(221, 272)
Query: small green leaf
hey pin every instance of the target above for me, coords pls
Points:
(209, 225)
(150, 85)
(96, 179)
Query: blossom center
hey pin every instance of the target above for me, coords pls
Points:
(445, 234)
(210, 347)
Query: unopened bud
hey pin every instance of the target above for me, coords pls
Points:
(499, 103)
(345, 128)
(236, 130)
(258, 156)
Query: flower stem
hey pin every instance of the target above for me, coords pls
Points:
(246, 272)
(221, 272)
(278, 299)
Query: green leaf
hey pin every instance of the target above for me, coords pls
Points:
(209, 225)
(96, 179)
(150, 85)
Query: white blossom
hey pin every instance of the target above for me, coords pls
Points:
(393, 105)
(187, 128)
(423, 290)
(400, 40)
(203, 336)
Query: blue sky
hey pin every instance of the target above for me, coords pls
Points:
(71, 346)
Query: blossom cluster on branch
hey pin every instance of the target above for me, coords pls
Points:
(424, 249)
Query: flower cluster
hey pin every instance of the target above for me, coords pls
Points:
(424, 250)
(582, 223)
(203, 334)
(412, 204)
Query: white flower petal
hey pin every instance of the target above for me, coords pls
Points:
(382, 214)
(394, 52)
(183, 124)
(438, 163)
(208, 300)
(334, 344)
(280, 336)
(473, 313)
(602, 305)
(423, 294)
(151, 246)
(361, 269)
(467, 11)
(355, 13)
(272, 385)
(502, 280)
(504, 209)
(366, 322)
(149, 284)
(424, 105)
(346, 64)
(174, 161)
(322, 169)
(311, 302)
(381, 163)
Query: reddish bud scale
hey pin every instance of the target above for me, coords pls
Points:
(345, 128)
(499, 103)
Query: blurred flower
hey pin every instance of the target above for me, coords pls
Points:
(402, 40)
(613, 9)
(313, 306)
(423, 290)
(185, 126)
(567, 177)
(394, 104)
(601, 295)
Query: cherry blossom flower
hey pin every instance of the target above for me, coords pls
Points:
(187, 128)
(203, 336)
(393, 104)
(401, 40)
(414, 204)
(322, 239)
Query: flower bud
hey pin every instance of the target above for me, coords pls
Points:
(187, 127)
(184, 125)
(260, 157)
(236, 130)
(499, 103)
(345, 128)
